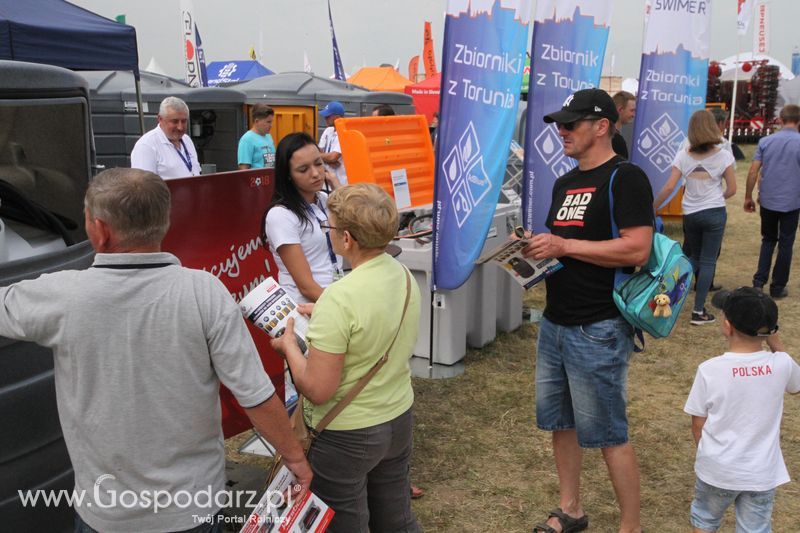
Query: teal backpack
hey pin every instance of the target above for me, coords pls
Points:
(651, 298)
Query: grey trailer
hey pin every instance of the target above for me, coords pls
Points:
(306, 90)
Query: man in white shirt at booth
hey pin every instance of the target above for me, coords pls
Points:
(166, 150)
(329, 142)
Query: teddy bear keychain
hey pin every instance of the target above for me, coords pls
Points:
(662, 306)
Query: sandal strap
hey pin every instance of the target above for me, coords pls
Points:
(561, 515)
(567, 522)
(543, 528)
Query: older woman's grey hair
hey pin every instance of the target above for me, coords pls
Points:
(134, 203)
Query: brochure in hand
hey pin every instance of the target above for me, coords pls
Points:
(527, 272)
(278, 512)
(269, 307)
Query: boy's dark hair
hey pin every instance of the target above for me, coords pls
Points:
(750, 311)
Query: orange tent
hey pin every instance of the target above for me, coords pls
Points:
(426, 95)
(380, 79)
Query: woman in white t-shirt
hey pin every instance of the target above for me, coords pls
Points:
(291, 225)
(704, 166)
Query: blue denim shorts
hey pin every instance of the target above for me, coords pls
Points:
(581, 375)
(753, 509)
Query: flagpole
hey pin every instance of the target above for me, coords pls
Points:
(735, 87)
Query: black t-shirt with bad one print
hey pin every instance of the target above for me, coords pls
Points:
(581, 293)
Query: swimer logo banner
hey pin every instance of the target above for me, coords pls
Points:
(672, 83)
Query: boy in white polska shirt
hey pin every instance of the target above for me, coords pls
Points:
(736, 403)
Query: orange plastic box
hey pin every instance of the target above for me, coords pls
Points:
(674, 209)
(372, 147)
(289, 119)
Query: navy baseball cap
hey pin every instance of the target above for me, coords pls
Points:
(584, 103)
(333, 108)
(748, 310)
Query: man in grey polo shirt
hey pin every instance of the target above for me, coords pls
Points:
(777, 160)
(140, 346)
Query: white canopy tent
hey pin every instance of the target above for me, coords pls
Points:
(729, 65)
(154, 67)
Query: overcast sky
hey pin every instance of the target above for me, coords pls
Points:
(380, 31)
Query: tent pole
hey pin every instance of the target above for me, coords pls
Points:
(139, 104)
(735, 86)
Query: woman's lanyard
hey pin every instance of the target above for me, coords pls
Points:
(187, 159)
(337, 273)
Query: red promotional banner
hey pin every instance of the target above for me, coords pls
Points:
(428, 56)
(214, 226)
(413, 68)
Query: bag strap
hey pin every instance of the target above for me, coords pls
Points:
(619, 275)
(358, 387)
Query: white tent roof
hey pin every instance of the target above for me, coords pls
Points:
(729, 63)
(154, 67)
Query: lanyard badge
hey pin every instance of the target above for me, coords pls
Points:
(187, 159)
(337, 272)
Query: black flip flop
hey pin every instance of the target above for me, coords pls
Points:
(568, 523)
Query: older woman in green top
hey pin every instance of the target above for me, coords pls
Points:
(361, 460)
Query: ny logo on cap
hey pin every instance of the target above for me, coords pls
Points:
(597, 109)
(568, 100)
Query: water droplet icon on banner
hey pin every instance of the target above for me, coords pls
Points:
(548, 146)
(452, 172)
(665, 130)
(647, 142)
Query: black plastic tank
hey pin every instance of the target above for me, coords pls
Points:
(46, 159)
(216, 115)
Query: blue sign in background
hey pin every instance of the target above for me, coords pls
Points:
(483, 60)
(566, 56)
(672, 86)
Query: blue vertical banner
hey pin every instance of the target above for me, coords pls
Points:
(201, 58)
(338, 69)
(482, 62)
(672, 83)
(567, 50)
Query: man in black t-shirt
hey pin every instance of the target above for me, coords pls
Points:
(584, 344)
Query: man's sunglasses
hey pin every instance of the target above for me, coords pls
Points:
(569, 126)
